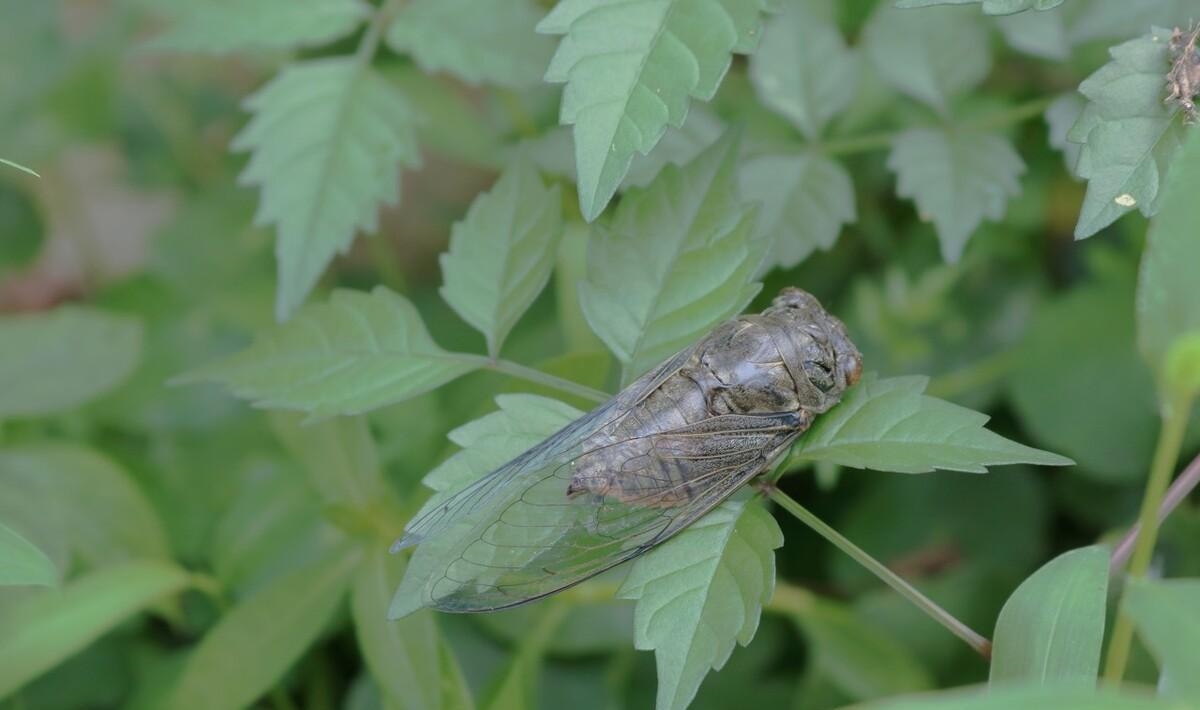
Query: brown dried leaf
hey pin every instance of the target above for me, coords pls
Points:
(1184, 78)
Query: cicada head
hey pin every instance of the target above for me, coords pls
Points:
(821, 353)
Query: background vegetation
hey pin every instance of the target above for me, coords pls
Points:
(207, 173)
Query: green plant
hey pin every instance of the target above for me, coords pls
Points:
(656, 166)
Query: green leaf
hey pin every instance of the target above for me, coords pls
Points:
(1026, 698)
(1072, 343)
(253, 644)
(1168, 621)
(957, 178)
(889, 425)
(339, 455)
(804, 70)
(678, 258)
(406, 656)
(859, 658)
(22, 563)
(701, 591)
(990, 7)
(1042, 35)
(631, 67)
(805, 199)
(220, 26)
(1060, 116)
(1168, 303)
(55, 361)
(1130, 136)
(48, 627)
(932, 55)
(1052, 627)
(358, 352)
(479, 41)
(501, 255)
(77, 505)
(328, 137)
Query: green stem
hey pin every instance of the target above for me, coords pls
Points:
(879, 140)
(374, 34)
(1183, 486)
(529, 374)
(1166, 454)
(980, 644)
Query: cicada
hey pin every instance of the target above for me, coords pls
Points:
(637, 469)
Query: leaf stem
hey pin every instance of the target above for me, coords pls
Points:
(379, 23)
(1176, 494)
(981, 645)
(529, 374)
(1166, 454)
(879, 140)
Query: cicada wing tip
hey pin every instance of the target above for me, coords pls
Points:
(408, 540)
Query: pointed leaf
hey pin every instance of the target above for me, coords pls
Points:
(220, 26)
(1130, 136)
(806, 199)
(256, 642)
(49, 627)
(700, 592)
(1168, 620)
(803, 69)
(328, 137)
(358, 352)
(677, 258)
(889, 425)
(957, 179)
(502, 253)
(1168, 303)
(1052, 627)
(479, 41)
(932, 55)
(22, 563)
(631, 68)
(55, 361)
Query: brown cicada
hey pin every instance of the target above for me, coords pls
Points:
(637, 469)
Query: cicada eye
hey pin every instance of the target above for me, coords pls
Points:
(820, 374)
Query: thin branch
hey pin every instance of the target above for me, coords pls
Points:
(1176, 494)
(981, 645)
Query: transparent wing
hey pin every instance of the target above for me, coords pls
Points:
(518, 534)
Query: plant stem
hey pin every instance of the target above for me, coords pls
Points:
(529, 374)
(1176, 494)
(879, 140)
(980, 644)
(379, 23)
(1166, 453)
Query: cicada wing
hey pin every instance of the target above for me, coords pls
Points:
(532, 538)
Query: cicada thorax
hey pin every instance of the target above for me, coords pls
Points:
(733, 403)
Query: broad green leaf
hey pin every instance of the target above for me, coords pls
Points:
(803, 69)
(678, 258)
(77, 505)
(889, 425)
(1052, 627)
(1167, 618)
(22, 563)
(55, 361)
(18, 166)
(700, 592)
(860, 659)
(990, 7)
(1039, 34)
(479, 41)
(44, 629)
(406, 656)
(631, 68)
(1073, 343)
(957, 179)
(221, 26)
(1027, 698)
(932, 55)
(260, 637)
(501, 255)
(328, 138)
(1168, 303)
(1130, 136)
(805, 199)
(355, 353)
(339, 455)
